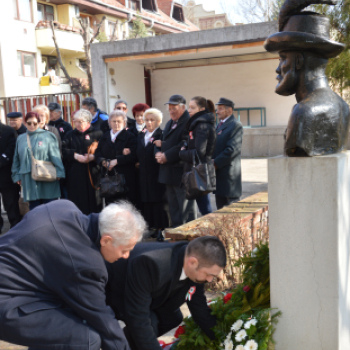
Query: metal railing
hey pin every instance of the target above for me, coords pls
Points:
(70, 102)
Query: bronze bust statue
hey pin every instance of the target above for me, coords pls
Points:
(319, 123)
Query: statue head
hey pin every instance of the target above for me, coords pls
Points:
(303, 43)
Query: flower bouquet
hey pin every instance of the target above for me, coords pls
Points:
(245, 320)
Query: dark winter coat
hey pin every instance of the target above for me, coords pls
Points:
(135, 131)
(201, 139)
(100, 122)
(150, 189)
(174, 136)
(227, 158)
(62, 126)
(145, 282)
(126, 164)
(21, 130)
(8, 138)
(79, 188)
(50, 265)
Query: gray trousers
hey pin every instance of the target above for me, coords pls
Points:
(181, 210)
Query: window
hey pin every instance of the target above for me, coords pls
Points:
(26, 64)
(23, 10)
(112, 29)
(178, 13)
(45, 13)
(149, 5)
(134, 5)
(49, 62)
(83, 64)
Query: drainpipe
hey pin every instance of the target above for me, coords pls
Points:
(152, 24)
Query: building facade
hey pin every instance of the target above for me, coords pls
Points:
(205, 19)
(27, 50)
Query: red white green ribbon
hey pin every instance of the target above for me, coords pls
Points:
(190, 293)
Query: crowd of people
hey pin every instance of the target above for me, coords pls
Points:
(151, 160)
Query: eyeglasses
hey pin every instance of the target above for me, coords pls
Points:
(121, 108)
(30, 124)
(78, 121)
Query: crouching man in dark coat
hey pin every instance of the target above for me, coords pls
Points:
(147, 290)
(53, 276)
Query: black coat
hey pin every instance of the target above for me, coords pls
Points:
(62, 126)
(51, 261)
(227, 158)
(8, 139)
(135, 131)
(126, 164)
(173, 139)
(201, 139)
(21, 130)
(150, 189)
(79, 188)
(145, 282)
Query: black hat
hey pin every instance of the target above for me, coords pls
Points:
(226, 102)
(15, 115)
(303, 30)
(54, 105)
(176, 100)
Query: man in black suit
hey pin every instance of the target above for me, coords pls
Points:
(53, 276)
(147, 290)
(175, 134)
(57, 121)
(227, 155)
(16, 122)
(8, 189)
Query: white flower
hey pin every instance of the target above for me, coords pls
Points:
(251, 345)
(241, 335)
(254, 251)
(239, 347)
(229, 345)
(247, 325)
(237, 325)
(253, 321)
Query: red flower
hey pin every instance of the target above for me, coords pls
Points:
(227, 297)
(246, 289)
(179, 331)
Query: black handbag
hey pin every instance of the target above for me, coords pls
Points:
(200, 180)
(111, 185)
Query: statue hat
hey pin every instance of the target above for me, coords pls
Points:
(303, 30)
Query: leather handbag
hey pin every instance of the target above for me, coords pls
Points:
(111, 185)
(200, 180)
(41, 169)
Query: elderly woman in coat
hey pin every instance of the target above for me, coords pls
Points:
(44, 146)
(111, 154)
(151, 191)
(81, 190)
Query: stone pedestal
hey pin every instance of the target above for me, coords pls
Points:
(309, 214)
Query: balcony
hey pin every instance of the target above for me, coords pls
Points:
(59, 85)
(69, 39)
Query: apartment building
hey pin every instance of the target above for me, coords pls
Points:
(27, 49)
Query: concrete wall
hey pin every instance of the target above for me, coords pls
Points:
(248, 84)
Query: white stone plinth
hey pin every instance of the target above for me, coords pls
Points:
(309, 216)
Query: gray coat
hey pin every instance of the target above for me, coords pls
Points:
(52, 281)
(227, 158)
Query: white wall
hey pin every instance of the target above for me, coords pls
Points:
(248, 84)
(130, 84)
(17, 36)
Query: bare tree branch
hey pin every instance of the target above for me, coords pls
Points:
(98, 30)
(113, 37)
(59, 57)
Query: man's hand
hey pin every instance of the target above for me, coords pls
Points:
(137, 165)
(126, 151)
(19, 182)
(158, 143)
(161, 158)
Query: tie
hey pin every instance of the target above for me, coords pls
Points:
(218, 127)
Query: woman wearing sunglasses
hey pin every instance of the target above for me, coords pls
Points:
(44, 146)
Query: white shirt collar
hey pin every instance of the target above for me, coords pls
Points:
(223, 121)
(183, 275)
(148, 135)
(114, 136)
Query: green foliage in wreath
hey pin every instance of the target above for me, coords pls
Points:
(249, 300)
